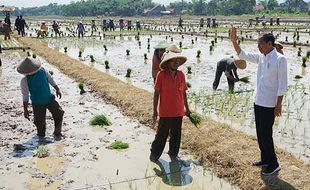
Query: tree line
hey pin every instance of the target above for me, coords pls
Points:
(137, 7)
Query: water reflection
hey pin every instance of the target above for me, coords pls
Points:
(174, 173)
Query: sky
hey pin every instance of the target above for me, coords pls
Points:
(32, 3)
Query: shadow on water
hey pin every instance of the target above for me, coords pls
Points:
(174, 173)
(26, 149)
(275, 183)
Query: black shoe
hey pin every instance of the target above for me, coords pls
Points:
(153, 158)
(259, 164)
(270, 170)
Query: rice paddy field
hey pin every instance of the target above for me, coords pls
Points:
(115, 53)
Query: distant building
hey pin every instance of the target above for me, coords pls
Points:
(258, 8)
(156, 11)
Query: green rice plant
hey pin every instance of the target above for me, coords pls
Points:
(28, 54)
(198, 53)
(212, 43)
(101, 120)
(245, 79)
(105, 48)
(139, 43)
(34, 56)
(80, 53)
(304, 59)
(286, 38)
(308, 54)
(24, 49)
(42, 152)
(81, 87)
(127, 52)
(51, 72)
(211, 48)
(66, 49)
(188, 85)
(189, 70)
(106, 62)
(195, 118)
(294, 43)
(180, 44)
(148, 46)
(119, 145)
(128, 73)
(298, 77)
(92, 58)
(145, 56)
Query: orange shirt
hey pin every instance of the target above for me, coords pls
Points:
(171, 89)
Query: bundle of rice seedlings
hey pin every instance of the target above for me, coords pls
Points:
(188, 84)
(42, 152)
(106, 64)
(298, 77)
(34, 56)
(101, 120)
(81, 87)
(92, 58)
(195, 118)
(118, 145)
(128, 73)
(245, 79)
(51, 72)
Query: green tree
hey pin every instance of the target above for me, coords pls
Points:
(199, 7)
(272, 4)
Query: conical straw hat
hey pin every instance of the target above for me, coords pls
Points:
(240, 64)
(173, 48)
(162, 45)
(169, 56)
(28, 66)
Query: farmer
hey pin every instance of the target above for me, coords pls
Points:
(36, 82)
(229, 66)
(279, 47)
(160, 48)
(8, 21)
(5, 29)
(180, 24)
(22, 24)
(121, 24)
(43, 29)
(17, 21)
(170, 92)
(93, 26)
(201, 22)
(271, 86)
(129, 24)
(80, 29)
(56, 27)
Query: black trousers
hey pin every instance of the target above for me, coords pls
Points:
(264, 119)
(39, 113)
(167, 126)
(218, 74)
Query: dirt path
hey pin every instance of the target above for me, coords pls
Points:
(226, 150)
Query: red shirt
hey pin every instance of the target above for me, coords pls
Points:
(171, 89)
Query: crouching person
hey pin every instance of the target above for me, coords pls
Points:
(36, 83)
(170, 91)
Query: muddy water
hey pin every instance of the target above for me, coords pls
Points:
(82, 160)
(291, 131)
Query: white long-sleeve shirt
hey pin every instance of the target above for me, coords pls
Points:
(25, 88)
(271, 76)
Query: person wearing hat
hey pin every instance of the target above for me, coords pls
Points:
(80, 29)
(160, 48)
(271, 87)
(43, 29)
(170, 104)
(56, 28)
(279, 47)
(36, 83)
(229, 66)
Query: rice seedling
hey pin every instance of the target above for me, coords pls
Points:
(65, 49)
(127, 52)
(145, 56)
(286, 38)
(100, 120)
(28, 54)
(304, 59)
(211, 48)
(189, 70)
(119, 145)
(51, 72)
(180, 44)
(24, 49)
(34, 56)
(299, 52)
(105, 48)
(212, 43)
(148, 46)
(298, 77)
(42, 152)
(192, 41)
(294, 43)
(139, 43)
(81, 87)
(188, 85)
(106, 63)
(308, 54)
(128, 73)
(92, 58)
(80, 53)
(195, 118)
(198, 53)
(245, 79)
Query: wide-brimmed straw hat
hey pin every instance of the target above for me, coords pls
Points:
(170, 56)
(173, 48)
(28, 66)
(278, 44)
(240, 63)
(162, 45)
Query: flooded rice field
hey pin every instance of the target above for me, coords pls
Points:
(291, 130)
(84, 158)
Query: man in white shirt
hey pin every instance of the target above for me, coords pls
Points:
(271, 86)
